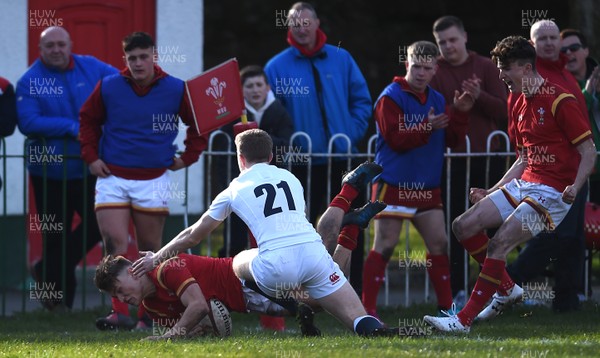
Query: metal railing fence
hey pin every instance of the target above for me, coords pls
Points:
(219, 164)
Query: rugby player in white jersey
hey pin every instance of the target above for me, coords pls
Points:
(290, 252)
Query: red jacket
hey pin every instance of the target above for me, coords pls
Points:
(489, 111)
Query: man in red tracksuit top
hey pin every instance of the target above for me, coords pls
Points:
(414, 127)
(128, 126)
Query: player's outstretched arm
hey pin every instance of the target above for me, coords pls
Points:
(186, 239)
(196, 308)
(587, 149)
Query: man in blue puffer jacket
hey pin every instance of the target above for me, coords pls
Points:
(325, 93)
(49, 96)
(321, 87)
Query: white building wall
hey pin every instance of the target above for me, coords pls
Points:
(180, 41)
(13, 63)
(179, 30)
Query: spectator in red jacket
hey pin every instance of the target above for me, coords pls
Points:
(585, 70)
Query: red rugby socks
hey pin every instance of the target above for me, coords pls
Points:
(487, 283)
(438, 268)
(344, 198)
(373, 277)
(476, 246)
(348, 236)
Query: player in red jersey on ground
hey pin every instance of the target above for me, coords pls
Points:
(186, 282)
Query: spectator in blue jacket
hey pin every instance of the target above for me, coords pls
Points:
(324, 91)
(49, 96)
(8, 110)
(321, 87)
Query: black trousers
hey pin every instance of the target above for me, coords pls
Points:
(53, 224)
(565, 249)
(595, 191)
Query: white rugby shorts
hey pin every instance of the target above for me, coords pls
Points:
(397, 212)
(539, 207)
(306, 266)
(148, 196)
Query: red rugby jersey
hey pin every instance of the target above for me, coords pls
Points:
(214, 275)
(550, 125)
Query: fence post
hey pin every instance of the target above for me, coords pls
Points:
(4, 215)
(330, 156)
(309, 164)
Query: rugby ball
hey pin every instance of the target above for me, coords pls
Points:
(219, 318)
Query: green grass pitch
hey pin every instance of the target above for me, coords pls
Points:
(521, 332)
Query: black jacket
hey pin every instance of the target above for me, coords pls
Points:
(276, 121)
(8, 108)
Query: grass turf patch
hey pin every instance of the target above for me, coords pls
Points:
(521, 332)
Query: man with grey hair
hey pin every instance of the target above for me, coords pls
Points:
(325, 93)
(49, 96)
(550, 62)
(414, 127)
(328, 96)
